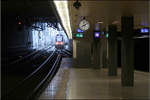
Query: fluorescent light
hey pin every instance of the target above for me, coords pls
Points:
(144, 36)
(115, 22)
(63, 11)
(100, 22)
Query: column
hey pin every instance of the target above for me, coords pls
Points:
(112, 50)
(127, 51)
(96, 54)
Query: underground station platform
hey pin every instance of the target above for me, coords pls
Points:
(88, 83)
(75, 49)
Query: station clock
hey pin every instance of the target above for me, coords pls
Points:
(84, 25)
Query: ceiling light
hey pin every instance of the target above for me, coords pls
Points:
(63, 11)
(115, 22)
(100, 22)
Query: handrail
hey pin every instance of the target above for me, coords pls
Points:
(32, 74)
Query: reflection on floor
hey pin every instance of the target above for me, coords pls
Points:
(88, 83)
(58, 86)
(96, 84)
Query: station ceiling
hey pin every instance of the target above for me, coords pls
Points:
(109, 12)
(106, 11)
(29, 8)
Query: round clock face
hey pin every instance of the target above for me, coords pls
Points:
(84, 25)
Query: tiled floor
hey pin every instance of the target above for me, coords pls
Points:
(96, 84)
(88, 83)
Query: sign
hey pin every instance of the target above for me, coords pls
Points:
(96, 34)
(144, 30)
(79, 30)
(79, 35)
(107, 35)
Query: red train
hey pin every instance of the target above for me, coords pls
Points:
(59, 42)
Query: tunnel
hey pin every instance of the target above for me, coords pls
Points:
(74, 49)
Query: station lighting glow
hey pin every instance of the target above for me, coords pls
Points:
(144, 30)
(107, 35)
(79, 35)
(79, 30)
(63, 11)
(103, 32)
(47, 37)
(100, 22)
(97, 34)
(19, 23)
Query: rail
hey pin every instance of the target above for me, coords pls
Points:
(25, 57)
(50, 75)
(32, 75)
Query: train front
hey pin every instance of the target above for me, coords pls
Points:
(59, 43)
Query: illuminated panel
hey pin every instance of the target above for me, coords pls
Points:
(107, 35)
(79, 30)
(79, 35)
(97, 34)
(144, 30)
(103, 32)
(63, 11)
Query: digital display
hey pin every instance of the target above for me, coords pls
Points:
(79, 30)
(144, 30)
(97, 34)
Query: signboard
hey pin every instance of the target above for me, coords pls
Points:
(144, 30)
(96, 34)
(79, 30)
(79, 35)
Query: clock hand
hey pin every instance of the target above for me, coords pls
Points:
(84, 25)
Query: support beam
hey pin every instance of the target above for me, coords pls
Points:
(96, 54)
(112, 62)
(127, 74)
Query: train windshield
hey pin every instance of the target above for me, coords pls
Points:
(59, 38)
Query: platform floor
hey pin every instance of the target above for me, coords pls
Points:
(88, 83)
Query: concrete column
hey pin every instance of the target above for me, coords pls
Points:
(127, 51)
(81, 53)
(104, 55)
(96, 54)
(112, 60)
(103, 51)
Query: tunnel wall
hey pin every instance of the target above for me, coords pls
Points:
(17, 36)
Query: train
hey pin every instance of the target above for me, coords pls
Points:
(59, 42)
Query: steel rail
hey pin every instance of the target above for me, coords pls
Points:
(25, 57)
(30, 76)
(49, 75)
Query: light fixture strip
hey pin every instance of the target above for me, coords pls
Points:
(63, 11)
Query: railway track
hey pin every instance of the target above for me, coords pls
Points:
(30, 61)
(25, 57)
(29, 87)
